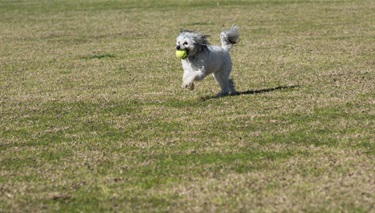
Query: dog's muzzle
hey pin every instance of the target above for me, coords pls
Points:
(178, 47)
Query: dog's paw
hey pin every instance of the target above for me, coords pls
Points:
(234, 93)
(222, 94)
(189, 86)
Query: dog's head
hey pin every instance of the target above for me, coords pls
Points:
(191, 42)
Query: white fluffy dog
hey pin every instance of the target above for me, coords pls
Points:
(203, 59)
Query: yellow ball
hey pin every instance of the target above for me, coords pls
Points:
(181, 54)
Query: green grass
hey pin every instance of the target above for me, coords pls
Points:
(92, 117)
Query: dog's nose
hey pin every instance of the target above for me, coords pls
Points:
(178, 47)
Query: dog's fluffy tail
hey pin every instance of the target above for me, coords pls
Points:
(229, 37)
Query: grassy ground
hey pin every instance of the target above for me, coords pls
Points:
(93, 118)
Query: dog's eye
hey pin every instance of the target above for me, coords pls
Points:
(185, 43)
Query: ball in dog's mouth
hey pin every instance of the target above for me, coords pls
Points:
(182, 54)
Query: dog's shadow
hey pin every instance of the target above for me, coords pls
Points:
(252, 92)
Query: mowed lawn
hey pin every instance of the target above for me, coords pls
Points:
(93, 119)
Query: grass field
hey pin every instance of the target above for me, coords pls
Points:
(93, 118)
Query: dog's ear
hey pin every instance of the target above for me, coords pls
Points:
(202, 39)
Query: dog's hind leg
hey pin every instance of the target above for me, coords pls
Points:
(232, 89)
(223, 79)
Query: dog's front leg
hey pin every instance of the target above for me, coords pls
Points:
(188, 80)
(191, 76)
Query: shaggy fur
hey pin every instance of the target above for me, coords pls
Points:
(204, 59)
